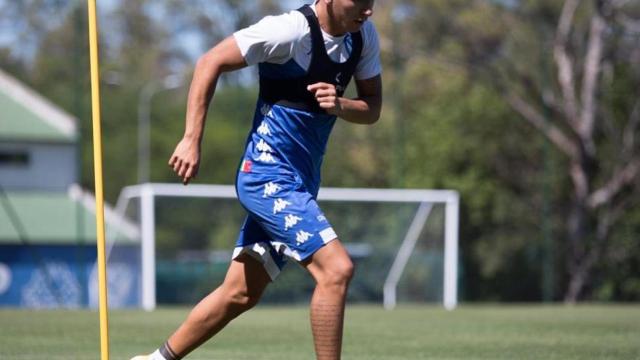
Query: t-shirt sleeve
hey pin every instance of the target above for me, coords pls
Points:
(369, 64)
(272, 39)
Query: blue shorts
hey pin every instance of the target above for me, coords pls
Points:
(284, 220)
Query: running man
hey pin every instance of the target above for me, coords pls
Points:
(306, 59)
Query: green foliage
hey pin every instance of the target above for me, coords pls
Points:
(465, 139)
(614, 280)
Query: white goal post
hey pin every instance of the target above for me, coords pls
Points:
(147, 193)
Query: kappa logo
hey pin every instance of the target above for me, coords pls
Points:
(339, 87)
(263, 146)
(291, 221)
(265, 110)
(263, 129)
(302, 236)
(266, 158)
(321, 218)
(270, 189)
(279, 205)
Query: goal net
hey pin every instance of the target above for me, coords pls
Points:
(404, 244)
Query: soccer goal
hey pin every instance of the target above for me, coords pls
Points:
(404, 243)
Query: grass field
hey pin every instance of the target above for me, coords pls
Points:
(410, 332)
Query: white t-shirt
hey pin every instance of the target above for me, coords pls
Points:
(279, 39)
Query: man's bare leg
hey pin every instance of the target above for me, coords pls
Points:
(332, 270)
(243, 286)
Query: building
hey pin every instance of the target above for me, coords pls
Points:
(47, 222)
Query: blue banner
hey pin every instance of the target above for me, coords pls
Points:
(64, 276)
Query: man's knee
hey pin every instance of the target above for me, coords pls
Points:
(331, 266)
(339, 273)
(241, 299)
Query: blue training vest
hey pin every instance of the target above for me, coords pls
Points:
(290, 131)
(278, 87)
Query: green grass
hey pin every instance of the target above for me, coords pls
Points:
(410, 332)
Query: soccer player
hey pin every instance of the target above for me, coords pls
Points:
(306, 58)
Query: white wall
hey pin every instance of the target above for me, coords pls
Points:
(49, 167)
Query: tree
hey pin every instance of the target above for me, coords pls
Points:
(591, 114)
(588, 111)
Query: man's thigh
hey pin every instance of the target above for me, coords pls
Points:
(329, 262)
(247, 275)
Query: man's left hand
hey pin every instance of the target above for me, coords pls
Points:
(326, 96)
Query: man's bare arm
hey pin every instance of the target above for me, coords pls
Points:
(223, 57)
(365, 109)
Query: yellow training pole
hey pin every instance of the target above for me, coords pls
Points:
(97, 164)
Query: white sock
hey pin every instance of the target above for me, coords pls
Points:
(156, 356)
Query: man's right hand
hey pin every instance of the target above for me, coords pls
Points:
(186, 159)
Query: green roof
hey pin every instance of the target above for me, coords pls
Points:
(18, 124)
(54, 218)
(28, 116)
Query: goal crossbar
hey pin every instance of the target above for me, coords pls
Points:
(149, 191)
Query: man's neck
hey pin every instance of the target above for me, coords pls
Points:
(325, 18)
